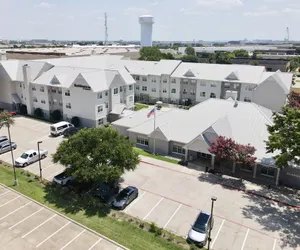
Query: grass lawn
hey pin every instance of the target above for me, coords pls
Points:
(158, 157)
(139, 106)
(115, 225)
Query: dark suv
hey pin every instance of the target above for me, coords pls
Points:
(106, 191)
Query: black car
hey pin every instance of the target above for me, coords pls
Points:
(70, 131)
(125, 197)
(106, 191)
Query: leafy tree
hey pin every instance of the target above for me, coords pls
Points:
(294, 63)
(254, 63)
(284, 137)
(241, 53)
(224, 148)
(38, 113)
(294, 100)
(255, 53)
(75, 121)
(150, 54)
(189, 58)
(190, 51)
(97, 154)
(7, 121)
(223, 57)
(228, 149)
(56, 115)
(168, 56)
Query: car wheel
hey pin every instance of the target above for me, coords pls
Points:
(25, 165)
(43, 156)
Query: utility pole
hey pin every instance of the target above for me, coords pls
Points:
(106, 29)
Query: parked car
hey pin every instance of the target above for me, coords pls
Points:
(198, 234)
(29, 157)
(3, 140)
(125, 197)
(7, 147)
(13, 113)
(106, 191)
(70, 131)
(63, 179)
(58, 128)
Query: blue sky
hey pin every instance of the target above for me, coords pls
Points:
(174, 19)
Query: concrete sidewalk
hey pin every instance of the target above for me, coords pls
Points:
(280, 194)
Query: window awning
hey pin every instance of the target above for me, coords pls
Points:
(16, 98)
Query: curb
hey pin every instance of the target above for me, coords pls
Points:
(231, 187)
(66, 217)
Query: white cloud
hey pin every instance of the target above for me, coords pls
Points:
(136, 10)
(222, 3)
(261, 13)
(44, 5)
(291, 10)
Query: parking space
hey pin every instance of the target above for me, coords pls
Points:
(169, 198)
(27, 225)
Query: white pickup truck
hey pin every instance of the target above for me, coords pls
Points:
(29, 157)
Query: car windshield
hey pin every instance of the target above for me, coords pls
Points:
(201, 222)
(123, 194)
(24, 156)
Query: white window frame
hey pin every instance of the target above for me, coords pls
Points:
(173, 91)
(143, 141)
(164, 90)
(116, 91)
(144, 79)
(68, 105)
(153, 80)
(53, 91)
(99, 109)
(137, 87)
(106, 93)
(213, 85)
(130, 87)
(178, 149)
(106, 105)
(100, 121)
(144, 88)
(202, 94)
(267, 174)
(192, 92)
(165, 80)
(99, 95)
(247, 99)
(213, 95)
(33, 88)
(43, 101)
(34, 99)
(67, 93)
(202, 84)
(184, 91)
(121, 89)
(153, 90)
(173, 80)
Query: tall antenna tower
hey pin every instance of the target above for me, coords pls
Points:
(105, 26)
(287, 34)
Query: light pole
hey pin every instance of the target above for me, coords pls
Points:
(213, 199)
(12, 156)
(38, 146)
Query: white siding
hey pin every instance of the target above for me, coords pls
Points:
(208, 89)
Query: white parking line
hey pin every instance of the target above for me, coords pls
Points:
(245, 239)
(153, 208)
(212, 245)
(10, 201)
(38, 226)
(274, 245)
(48, 166)
(134, 202)
(95, 244)
(15, 210)
(53, 234)
(172, 216)
(5, 193)
(72, 240)
(26, 218)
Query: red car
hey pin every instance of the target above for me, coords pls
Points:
(13, 113)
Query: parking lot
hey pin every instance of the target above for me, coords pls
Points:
(25, 224)
(173, 199)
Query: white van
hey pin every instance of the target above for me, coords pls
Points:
(58, 128)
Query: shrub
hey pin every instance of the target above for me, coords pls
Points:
(159, 231)
(142, 225)
(75, 121)
(153, 227)
(193, 247)
(56, 115)
(38, 113)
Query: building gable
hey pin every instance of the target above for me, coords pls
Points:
(189, 73)
(233, 76)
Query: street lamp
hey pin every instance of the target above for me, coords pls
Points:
(12, 156)
(213, 199)
(38, 146)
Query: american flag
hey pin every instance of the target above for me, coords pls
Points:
(152, 112)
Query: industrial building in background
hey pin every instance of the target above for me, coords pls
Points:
(146, 22)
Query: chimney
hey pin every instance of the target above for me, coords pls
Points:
(26, 74)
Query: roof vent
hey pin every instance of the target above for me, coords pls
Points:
(235, 103)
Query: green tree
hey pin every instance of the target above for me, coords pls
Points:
(190, 51)
(168, 56)
(241, 53)
(255, 53)
(284, 137)
(189, 58)
(255, 63)
(294, 63)
(223, 57)
(7, 121)
(150, 54)
(97, 154)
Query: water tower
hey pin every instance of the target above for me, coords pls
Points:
(146, 23)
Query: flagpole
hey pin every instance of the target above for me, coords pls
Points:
(154, 132)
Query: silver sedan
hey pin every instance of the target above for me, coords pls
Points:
(6, 147)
